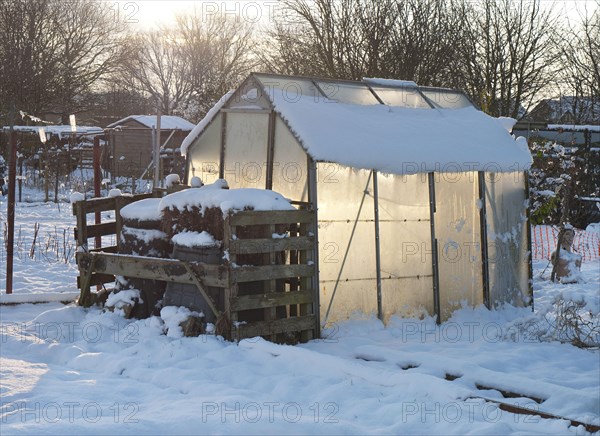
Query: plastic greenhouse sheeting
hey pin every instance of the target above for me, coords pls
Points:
(405, 245)
(203, 160)
(246, 150)
(507, 238)
(458, 232)
(346, 241)
(290, 173)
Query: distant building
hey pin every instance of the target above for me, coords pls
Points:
(129, 151)
(566, 110)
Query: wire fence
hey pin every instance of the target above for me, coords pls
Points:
(543, 241)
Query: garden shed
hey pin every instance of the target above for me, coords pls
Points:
(130, 143)
(421, 199)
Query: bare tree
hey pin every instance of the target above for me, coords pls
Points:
(409, 39)
(509, 53)
(425, 42)
(581, 67)
(219, 51)
(54, 52)
(328, 38)
(90, 47)
(28, 55)
(158, 67)
(189, 66)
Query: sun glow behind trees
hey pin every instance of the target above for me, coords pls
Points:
(150, 14)
(433, 42)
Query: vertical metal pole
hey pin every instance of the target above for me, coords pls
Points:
(270, 150)
(46, 172)
(97, 181)
(157, 168)
(57, 175)
(154, 159)
(69, 147)
(113, 153)
(312, 199)
(434, 250)
(485, 269)
(12, 175)
(587, 135)
(377, 245)
(20, 159)
(223, 141)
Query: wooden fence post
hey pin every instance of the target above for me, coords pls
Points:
(231, 291)
(12, 176)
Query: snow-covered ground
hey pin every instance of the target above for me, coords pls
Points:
(69, 370)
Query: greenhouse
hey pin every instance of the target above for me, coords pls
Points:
(421, 198)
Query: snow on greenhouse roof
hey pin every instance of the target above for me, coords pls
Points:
(389, 82)
(401, 139)
(415, 129)
(167, 122)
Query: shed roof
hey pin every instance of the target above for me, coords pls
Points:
(167, 122)
(387, 125)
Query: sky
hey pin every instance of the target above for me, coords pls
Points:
(148, 14)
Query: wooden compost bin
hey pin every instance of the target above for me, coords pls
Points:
(290, 285)
(84, 231)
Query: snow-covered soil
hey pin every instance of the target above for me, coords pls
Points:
(69, 370)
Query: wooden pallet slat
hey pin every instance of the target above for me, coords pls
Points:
(105, 204)
(98, 279)
(108, 249)
(231, 291)
(306, 282)
(269, 272)
(271, 299)
(102, 229)
(270, 286)
(152, 268)
(249, 218)
(95, 205)
(269, 245)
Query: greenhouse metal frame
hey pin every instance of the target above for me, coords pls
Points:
(397, 235)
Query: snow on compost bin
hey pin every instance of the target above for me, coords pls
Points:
(140, 236)
(203, 209)
(194, 218)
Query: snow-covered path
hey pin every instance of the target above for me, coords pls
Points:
(68, 370)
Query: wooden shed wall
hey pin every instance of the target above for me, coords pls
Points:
(132, 149)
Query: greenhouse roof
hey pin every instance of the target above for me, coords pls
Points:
(388, 125)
